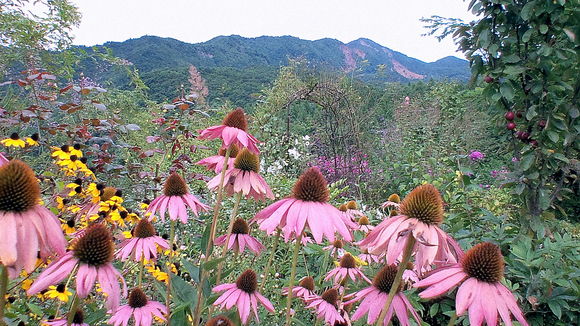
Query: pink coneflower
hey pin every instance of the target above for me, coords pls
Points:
(478, 275)
(326, 306)
(307, 207)
(144, 243)
(216, 162)
(369, 258)
(92, 253)
(375, 296)
(304, 290)
(3, 159)
(142, 310)
(352, 210)
(219, 321)
(27, 227)
(346, 218)
(421, 214)
(243, 295)
(233, 130)
(336, 248)
(244, 178)
(240, 238)
(78, 320)
(364, 224)
(346, 268)
(175, 199)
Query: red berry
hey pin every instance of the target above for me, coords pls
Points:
(511, 126)
(518, 134)
(509, 115)
(519, 114)
(525, 135)
(534, 143)
(542, 123)
(488, 79)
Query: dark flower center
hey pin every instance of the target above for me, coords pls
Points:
(60, 288)
(240, 227)
(19, 190)
(394, 198)
(425, 204)
(79, 317)
(343, 208)
(77, 146)
(14, 136)
(385, 278)
(363, 220)
(71, 223)
(352, 205)
(234, 150)
(338, 243)
(108, 193)
(247, 161)
(248, 281)
(144, 229)
(65, 148)
(236, 119)
(95, 247)
(74, 158)
(35, 136)
(219, 321)
(330, 296)
(307, 283)
(484, 262)
(175, 186)
(347, 261)
(311, 186)
(137, 298)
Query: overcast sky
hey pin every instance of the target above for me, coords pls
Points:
(394, 24)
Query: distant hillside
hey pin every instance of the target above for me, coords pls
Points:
(163, 62)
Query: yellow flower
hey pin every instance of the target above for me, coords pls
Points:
(32, 140)
(76, 188)
(61, 203)
(59, 292)
(157, 273)
(74, 208)
(13, 141)
(26, 284)
(61, 153)
(68, 226)
(127, 234)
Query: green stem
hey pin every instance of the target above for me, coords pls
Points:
(270, 260)
(208, 249)
(292, 278)
(65, 287)
(141, 267)
(398, 278)
(238, 198)
(452, 320)
(3, 288)
(73, 310)
(168, 293)
(323, 268)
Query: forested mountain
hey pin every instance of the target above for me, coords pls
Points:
(163, 62)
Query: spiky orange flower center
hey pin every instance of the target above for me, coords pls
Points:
(175, 186)
(219, 321)
(19, 190)
(234, 150)
(107, 193)
(240, 227)
(363, 220)
(330, 296)
(425, 204)
(248, 281)
(343, 208)
(236, 119)
(484, 262)
(311, 186)
(79, 317)
(144, 229)
(394, 198)
(385, 278)
(95, 247)
(338, 244)
(347, 261)
(351, 205)
(307, 283)
(137, 298)
(247, 161)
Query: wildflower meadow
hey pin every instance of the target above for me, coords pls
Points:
(326, 201)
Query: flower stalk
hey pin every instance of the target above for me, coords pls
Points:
(238, 198)
(292, 278)
(73, 309)
(398, 278)
(170, 262)
(3, 288)
(452, 320)
(216, 211)
(270, 260)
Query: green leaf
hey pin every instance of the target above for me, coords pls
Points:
(556, 309)
(507, 91)
(574, 113)
(191, 269)
(527, 161)
(561, 157)
(531, 112)
(543, 29)
(433, 309)
(553, 136)
(205, 238)
(35, 309)
(527, 10)
(527, 35)
(511, 58)
(213, 263)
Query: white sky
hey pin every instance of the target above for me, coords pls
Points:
(394, 24)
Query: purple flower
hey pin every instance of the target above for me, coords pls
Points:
(476, 156)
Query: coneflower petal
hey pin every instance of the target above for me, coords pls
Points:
(465, 295)
(8, 240)
(443, 286)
